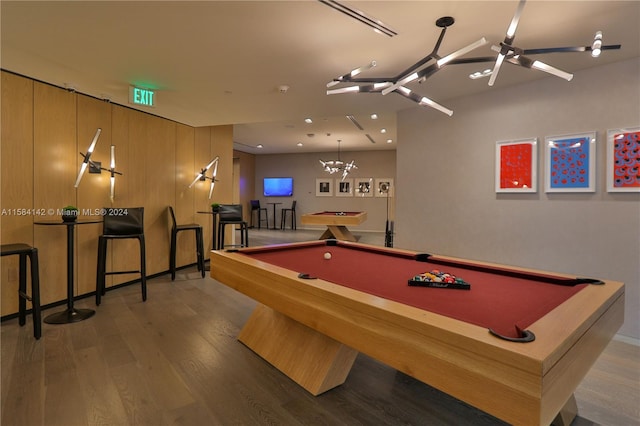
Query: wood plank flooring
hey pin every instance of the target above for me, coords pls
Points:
(175, 360)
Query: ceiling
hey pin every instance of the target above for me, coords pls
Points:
(224, 62)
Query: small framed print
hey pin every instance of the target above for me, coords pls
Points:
(516, 164)
(570, 163)
(364, 187)
(384, 187)
(344, 188)
(623, 160)
(324, 187)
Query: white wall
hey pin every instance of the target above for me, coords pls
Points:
(305, 169)
(446, 200)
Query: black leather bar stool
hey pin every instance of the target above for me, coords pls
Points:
(24, 251)
(119, 224)
(255, 206)
(174, 236)
(231, 214)
(283, 218)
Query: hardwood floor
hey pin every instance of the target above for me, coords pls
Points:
(175, 360)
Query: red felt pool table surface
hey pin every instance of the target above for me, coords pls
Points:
(312, 329)
(497, 301)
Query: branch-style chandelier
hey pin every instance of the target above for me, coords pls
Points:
(418, 71)
(338, 166)
(423, 69)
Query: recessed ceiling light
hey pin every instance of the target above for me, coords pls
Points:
(374, 116)
(308, 120)
(259, 146)
(299, 144)
(383, 130)
(389, 140)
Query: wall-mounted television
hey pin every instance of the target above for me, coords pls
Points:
(278, 186)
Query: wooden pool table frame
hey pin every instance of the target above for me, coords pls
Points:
(336, 224)
(312, 331)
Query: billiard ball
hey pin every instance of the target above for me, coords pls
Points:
(327, 255)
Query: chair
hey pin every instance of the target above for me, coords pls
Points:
(174, 236)
(231, 214)
(120, 224)
(255, 205)
(24, 251)
(283, 219)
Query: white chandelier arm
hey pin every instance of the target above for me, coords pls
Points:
(351, 74)
(85, 161)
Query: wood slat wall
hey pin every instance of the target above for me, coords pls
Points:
(43, 130)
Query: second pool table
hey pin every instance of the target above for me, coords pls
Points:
(316, 314)
(336, 223)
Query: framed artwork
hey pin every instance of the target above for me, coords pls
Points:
(623, 160)
(384, 187)
(570, 163)
(324, 187)
(516, 165)
(364, 187)
(344, 188)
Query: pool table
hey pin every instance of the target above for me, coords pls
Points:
(315, 314)
(336, 223)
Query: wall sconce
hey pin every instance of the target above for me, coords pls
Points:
(202, 175)
(96, 166)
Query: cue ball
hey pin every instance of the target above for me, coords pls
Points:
(327, 255)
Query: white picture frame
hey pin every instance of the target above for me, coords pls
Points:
(516, 166)
(363, 187)
(344, 187)
(384, 188)
(623, 159)
(324, 187)
(570, 163)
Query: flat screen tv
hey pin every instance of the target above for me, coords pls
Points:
(278, 186)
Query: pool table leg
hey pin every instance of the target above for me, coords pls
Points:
(314, 361)
(567, 414)
(338, 232)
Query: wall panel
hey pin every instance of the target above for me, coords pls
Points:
(16, 155)
(159, 184)
(93, 191)
(54, 167)
(183, 203)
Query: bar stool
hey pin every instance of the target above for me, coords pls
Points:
(283, 218)
(24, 251)
(174, 236)
(231, 214)
(119, 224)
(255, 205)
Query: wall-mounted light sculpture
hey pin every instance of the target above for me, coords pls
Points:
(96, 166)
(203, 175)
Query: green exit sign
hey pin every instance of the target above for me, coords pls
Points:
(140, 96)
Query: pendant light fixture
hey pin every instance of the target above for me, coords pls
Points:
(338, 166)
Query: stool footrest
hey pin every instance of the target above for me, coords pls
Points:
(25, 296)
(121, 272)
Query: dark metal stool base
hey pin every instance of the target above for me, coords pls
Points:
(69, 316)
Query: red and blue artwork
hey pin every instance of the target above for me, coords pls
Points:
(569, 163)
(626, 160)
(515, 165)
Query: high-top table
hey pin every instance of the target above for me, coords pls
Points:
(71, 314)
(214, 222)
(274, 214)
